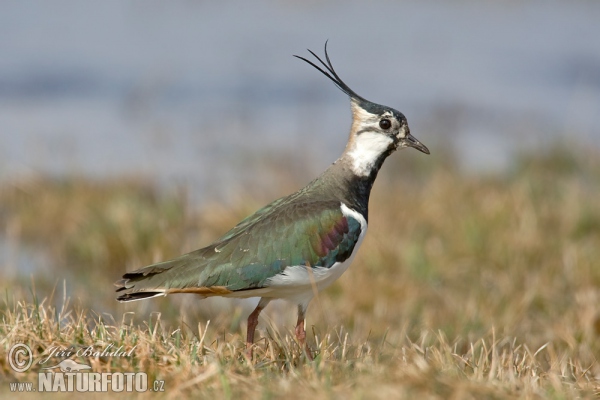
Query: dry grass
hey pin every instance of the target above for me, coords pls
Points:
(466, 287)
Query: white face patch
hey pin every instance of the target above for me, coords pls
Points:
(363, 115)
(403, 131)
(367, 148)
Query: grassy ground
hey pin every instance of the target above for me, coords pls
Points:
(467, 286)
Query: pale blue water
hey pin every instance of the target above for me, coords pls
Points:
(177, 90)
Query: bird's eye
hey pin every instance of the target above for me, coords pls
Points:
(385, 124)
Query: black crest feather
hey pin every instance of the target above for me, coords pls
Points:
(331, 74)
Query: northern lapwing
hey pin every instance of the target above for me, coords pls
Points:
(298, 244)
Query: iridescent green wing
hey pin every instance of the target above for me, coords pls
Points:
(253, 218)
(259, 248)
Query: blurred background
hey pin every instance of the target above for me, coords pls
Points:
(181, 91)
(134, 131)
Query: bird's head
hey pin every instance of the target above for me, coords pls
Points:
(377, 130)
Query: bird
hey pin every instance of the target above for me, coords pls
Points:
(299, 244)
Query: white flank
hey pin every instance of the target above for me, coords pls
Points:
(368, 146)
(298, 283)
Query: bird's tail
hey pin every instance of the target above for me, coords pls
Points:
(180, 275)
(151, 281)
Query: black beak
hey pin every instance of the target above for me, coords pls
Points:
(411, 141)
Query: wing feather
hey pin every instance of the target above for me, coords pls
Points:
(261, 246)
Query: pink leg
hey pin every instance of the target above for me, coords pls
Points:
(301, 332)
(252, 323)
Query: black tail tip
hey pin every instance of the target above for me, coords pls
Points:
(137, 295)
